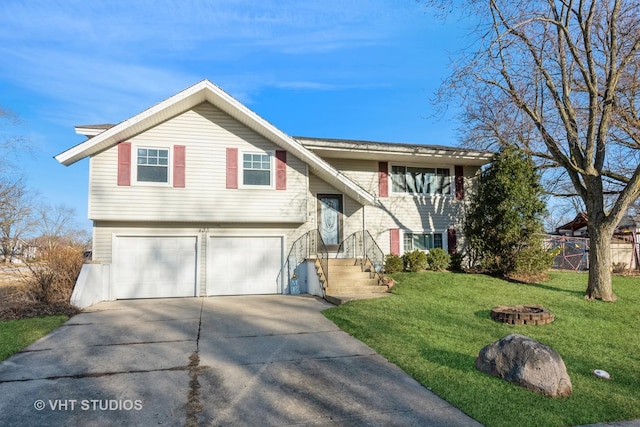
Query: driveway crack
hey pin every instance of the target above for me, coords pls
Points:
(95, 374)
(194, 406)
(105, 345)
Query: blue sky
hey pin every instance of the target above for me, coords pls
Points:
(350, 69)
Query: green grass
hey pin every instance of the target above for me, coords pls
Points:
(436, 323)
(17, 334)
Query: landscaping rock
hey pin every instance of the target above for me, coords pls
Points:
(528, 363)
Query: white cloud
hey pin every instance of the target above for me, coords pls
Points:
(106, 60)
(318, 86)
(292, 25)
(69, 62)
(77, 80)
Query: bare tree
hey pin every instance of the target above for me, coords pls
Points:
(561, 213)
(561, 80)
(56, 226)
(16, 215)
(10, 142)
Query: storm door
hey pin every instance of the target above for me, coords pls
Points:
(330, 219)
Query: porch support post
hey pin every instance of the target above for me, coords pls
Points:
(364, 241)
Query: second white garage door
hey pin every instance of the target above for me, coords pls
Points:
(243, 265)
(154, 267)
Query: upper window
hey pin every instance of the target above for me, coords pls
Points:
(256, 169)
(423, 181)
(153, 165)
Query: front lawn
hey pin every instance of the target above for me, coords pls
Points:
(17, 334)
(436, 323)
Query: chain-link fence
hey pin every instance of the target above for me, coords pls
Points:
(574, 253)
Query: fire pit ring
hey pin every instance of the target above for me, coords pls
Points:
(522, 314)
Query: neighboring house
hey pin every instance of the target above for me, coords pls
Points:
(577, 227)
(629, 224)
(198, 195)
(22, 250)
(625, 244)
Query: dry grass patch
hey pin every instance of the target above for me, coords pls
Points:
(40, 289)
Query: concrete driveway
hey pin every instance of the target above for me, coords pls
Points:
(250, 361)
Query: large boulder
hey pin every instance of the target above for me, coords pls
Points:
(528, 363)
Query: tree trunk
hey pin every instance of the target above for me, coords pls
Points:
(599, 286)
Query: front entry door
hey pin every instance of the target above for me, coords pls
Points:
(330, 219)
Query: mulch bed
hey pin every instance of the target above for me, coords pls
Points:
(28, 310)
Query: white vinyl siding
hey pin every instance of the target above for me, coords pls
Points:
(423, 213)
(418, 214)
(352, 217)
(206, 132)
(205, 206)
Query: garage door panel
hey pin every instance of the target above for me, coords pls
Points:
(154, 267)
(243, 265)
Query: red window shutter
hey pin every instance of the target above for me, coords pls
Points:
(179, 166)
(124, 163)
(459, 171)
(281, 170)
(394, 235)
(452, 241)
(383, 179)
(232, 168)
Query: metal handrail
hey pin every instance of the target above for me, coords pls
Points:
(322, 255)
(308, 245)
(352, 246)
(297, 254)
(374, 255)
(361, 245)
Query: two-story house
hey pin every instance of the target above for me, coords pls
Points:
(198, 195)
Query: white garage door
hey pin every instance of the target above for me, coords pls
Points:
(243, 265)
(154, 267)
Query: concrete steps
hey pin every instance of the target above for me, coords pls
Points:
(358, 289)
(347, 278)
(341, 299)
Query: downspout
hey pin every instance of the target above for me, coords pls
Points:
(364, 241)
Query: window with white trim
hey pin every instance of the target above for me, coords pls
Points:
(420, 181)
(257, 169)
(422, 241)
(152, 165)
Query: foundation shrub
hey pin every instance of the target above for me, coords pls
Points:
(414, 261)
(438, 259)
(393, 264)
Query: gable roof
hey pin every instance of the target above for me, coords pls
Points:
(580, 221)
(393, 151)
(206, 91)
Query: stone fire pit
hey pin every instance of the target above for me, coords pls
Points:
(522, 314)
